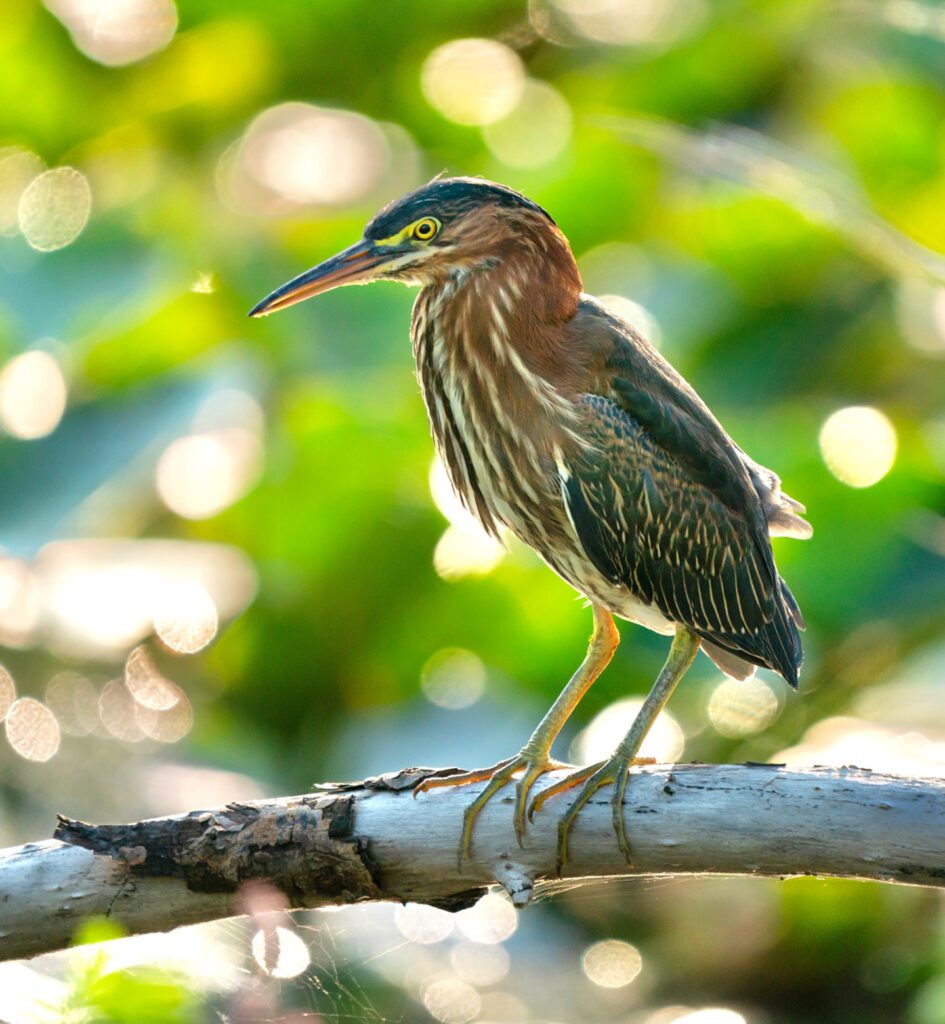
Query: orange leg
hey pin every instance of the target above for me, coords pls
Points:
(534, 759)
(616, 769)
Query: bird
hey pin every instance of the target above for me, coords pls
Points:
(559, 422)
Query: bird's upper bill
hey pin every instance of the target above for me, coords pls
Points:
(355, 265)
(427, 230)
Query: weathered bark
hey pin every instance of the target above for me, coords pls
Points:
(373, 841)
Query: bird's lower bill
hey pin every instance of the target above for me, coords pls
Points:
(351, 266)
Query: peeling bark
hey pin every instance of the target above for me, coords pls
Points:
(371, 840)
(305, 842)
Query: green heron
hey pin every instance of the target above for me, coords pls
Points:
(556, 420)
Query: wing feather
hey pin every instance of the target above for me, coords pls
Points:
(678, 539)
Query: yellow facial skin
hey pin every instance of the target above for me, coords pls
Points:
(423, 230)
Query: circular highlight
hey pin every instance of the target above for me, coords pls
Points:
(611, 963)
(858, 445)
(535, 132)
(452, 1001)
(33, 395)
(200, 475)
(146, 684)
(32, 730)
(423, 924)
(473, 81)
(742, 708)
(54, 208)
(185, 618)
(453, 678)
(73, 699)
(478, 964)
(493, 919)
(665, 742)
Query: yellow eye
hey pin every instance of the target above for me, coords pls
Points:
(425, 229)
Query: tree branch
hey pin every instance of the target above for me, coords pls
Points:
(373, 841)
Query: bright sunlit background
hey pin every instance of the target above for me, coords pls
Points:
(228, 567)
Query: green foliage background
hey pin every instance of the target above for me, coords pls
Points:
(778, 304)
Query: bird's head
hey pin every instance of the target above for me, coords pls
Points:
(447, 226)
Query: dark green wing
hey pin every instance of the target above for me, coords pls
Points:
(662, 502)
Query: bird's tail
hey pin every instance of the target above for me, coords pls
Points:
(776, 646)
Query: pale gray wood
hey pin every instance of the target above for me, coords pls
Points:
(374, 841)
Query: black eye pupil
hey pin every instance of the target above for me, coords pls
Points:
(425, 229)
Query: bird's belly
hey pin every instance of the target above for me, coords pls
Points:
(522, 491)
(575, 568)
(538, 518)
(560, 548)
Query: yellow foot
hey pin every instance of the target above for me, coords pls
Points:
(498, 775)
(594, 777)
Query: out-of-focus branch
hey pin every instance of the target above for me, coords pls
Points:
(373, 841)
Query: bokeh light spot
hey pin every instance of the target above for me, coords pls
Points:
(742, 708)
(920, 311)
(665, 741)
(858, 445)
(230, 407)
(452, 1001)
(458, 554)
(20, 602)
(7, 692)
(423, 924)
(611, 963)
(473, 81)
(493, 919)
(297, 155)
(32, 395)
(109, 605)
(101, 596)
(74, 701)
(645, 23)
(116, 32)
(146, 684)
(453, 678)
(166, 726)
(535, 132)
(316, 155)
(116, 708)
(32, 729)
(281, 953)
(464, 549)
(54, 208)
(202, 474)
(478, 964)
(447, 500)
(185, 617)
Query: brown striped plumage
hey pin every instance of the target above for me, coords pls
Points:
(558, 421)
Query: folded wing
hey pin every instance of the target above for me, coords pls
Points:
(664, 502)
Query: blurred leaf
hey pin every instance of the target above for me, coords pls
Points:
(97, 929)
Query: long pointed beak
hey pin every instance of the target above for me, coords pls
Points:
(351, 266)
